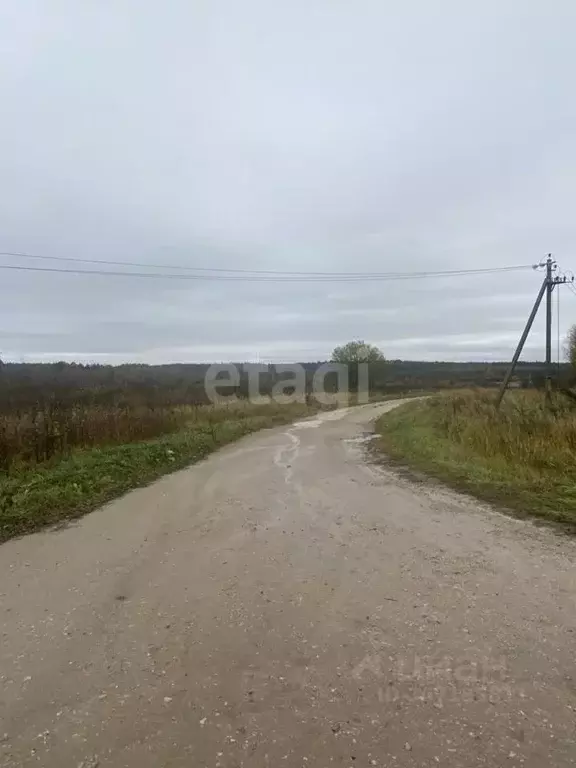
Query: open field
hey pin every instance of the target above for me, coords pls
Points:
(49, 410)
(37, 435)
(523, 456)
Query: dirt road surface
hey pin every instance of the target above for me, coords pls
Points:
(288, 603)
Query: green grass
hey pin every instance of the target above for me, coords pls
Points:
(35, 496)
(522, 457)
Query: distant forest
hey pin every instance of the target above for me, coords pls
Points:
(26, 385)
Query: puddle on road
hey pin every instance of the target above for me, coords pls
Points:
(359, 446)
(366, 437)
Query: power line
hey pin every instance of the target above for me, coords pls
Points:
(186, 267)
(235, 270)
(263, 276)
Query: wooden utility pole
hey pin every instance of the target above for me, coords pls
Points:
(546, 288)
(550, 264)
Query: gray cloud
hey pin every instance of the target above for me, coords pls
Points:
(305, 136)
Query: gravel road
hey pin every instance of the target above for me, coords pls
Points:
(289, 603)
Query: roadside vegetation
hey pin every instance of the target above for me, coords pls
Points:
(56, 468)
(523, 456)
(74, 436)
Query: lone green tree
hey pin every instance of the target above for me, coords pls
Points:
(352, 354)
(357, 352)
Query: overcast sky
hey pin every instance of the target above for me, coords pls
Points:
(283, 135)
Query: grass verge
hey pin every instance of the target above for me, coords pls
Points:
(45, 494)
(522, 457)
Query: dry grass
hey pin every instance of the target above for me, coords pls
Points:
(523, 455)
(35, 436)
(523, 430)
